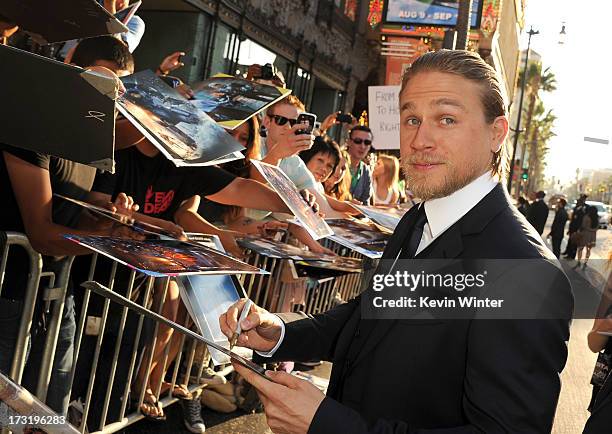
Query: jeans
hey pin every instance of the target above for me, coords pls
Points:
(58, 393)
(10, 317)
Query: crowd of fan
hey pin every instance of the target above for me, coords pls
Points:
(228, 201)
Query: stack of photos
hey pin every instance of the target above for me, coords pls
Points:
(207, 297)
(231, 101)
(161, 258)
(365, 238)
(61, 20)
(280, 182)
(339, 263)
(183, 133)
(387, 217)
(54, 125)
(276, 249)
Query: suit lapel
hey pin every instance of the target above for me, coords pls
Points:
(448, 246)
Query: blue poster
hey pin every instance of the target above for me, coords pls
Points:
(429, 12)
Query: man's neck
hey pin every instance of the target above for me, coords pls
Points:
(355, 164)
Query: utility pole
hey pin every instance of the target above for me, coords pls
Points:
(464, 15)
(520, 109)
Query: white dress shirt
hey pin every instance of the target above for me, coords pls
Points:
(441, 214)
(444, 212)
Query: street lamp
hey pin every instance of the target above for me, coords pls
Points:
(520, 108)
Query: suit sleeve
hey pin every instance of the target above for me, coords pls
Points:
(311, 337)
(512, 384)
(512, 372)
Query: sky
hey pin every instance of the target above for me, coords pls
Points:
(582, 66)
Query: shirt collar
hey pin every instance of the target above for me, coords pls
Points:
(443, 212)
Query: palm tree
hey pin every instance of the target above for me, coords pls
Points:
(542, 132)
(536, 81)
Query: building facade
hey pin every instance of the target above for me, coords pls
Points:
(318, 45)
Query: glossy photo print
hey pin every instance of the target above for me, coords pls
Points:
(365, 238)
(164, 257)
(230, 101)
(183, 133)
(278, 180)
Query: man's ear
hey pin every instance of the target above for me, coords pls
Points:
(266, 121)
(499, 131)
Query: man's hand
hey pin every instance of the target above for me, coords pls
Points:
(290, 403)
(260, 330)
(124, 205)
(171, 62)
(289, 143)
(269, 228)
(310, 199)
(329, 121)
(228, 239)
(185, 90)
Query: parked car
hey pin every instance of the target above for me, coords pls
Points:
(602, 212)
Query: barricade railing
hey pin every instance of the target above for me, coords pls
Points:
(112, 345)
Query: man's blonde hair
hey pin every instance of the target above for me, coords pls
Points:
(289, 100)
(470, 66)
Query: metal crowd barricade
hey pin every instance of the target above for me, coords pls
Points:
(53, 296)
(111, 374)
(7, 241)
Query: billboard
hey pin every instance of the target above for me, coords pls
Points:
(429, 12)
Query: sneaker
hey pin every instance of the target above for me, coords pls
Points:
(192, 414)
(209, 376)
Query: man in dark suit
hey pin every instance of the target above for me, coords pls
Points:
(578, 214)
(538, 213)
(558, 227)
(440, 374)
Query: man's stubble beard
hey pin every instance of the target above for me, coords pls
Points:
(453, 180)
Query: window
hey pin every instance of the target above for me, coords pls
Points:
(222, 48)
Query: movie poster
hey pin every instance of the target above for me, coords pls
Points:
(161, 258)
(278, 180)
(183, 133)
(364, 238)
(230, 101)
(387, 217)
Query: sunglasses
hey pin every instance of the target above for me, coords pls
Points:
(281, 120)
(359, 141)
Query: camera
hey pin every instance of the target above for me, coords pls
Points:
(268, 71)
(306, 118)
(345, 118)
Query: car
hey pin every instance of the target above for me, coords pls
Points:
(602, 212)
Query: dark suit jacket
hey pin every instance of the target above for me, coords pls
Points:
(442, 376)
(537, 215)
(577, 215)
(558, 225)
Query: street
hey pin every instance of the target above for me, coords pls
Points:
(575, 379)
